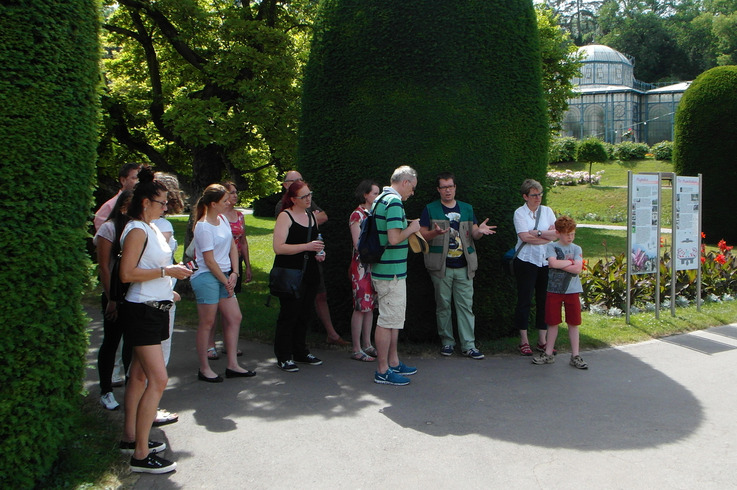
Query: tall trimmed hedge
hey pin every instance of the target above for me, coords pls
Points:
(705, 142)
(439, 86)
(48, 118)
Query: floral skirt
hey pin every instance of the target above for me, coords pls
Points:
(364, 296)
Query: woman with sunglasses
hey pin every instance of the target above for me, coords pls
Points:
(535, 228)
(294, 244)
(146, 264)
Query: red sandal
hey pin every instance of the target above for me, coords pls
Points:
(524, 349)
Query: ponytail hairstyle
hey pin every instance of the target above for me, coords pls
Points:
(147, 188)
(213, 193)
(286, 201)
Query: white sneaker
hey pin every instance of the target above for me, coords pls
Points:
(108, 401)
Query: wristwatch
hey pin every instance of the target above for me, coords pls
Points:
(539, 233)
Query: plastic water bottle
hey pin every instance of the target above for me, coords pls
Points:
(319, 237)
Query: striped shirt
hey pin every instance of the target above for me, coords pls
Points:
(389, 212)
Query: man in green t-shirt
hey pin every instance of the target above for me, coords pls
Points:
(389, 274)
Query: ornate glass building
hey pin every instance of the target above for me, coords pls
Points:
(614, 106)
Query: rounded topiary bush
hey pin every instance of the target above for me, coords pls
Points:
(705, 141)
(662, 150)
(438, 86)
(48, 130)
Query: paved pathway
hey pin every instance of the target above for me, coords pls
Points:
(659, 414)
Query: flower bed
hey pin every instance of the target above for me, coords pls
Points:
(569, 177)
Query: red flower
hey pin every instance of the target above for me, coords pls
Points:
(723, 246)
(703, 260)
(720, 259)
(703, 235)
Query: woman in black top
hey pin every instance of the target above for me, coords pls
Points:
(294, 239)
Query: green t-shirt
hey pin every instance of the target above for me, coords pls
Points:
(389, 212)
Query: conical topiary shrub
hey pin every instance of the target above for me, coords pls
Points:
(438, 86)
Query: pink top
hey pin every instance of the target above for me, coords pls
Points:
(238, 228)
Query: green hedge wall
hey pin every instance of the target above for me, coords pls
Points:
(439, 86)
(705, 141)
(48, 118)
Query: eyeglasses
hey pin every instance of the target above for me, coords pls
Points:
(413, 186)
(304, 197)
(163, 203)
(446, 187)
(535, 195)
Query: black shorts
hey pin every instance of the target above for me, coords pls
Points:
(143, 324)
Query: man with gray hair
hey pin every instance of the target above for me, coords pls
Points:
(390, 273)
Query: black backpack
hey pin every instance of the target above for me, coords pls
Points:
(369, 246)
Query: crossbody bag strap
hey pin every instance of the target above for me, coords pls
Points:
(537, 222)
(310, 217)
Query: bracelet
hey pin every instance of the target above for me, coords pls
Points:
(163, 272)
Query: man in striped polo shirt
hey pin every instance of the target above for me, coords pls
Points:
(389, 274)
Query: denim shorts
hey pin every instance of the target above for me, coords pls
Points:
(207, 289)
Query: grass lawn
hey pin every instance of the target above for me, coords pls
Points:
(605, 203)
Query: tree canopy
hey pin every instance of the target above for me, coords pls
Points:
(205, 89)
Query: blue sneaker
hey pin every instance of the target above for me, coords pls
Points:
(403, 369)
(447, 350)
(390, 378)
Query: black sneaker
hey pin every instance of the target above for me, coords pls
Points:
(308, 359)
(153, 447)
(152, 464)
(288, 366)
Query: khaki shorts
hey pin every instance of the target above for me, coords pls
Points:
(392, 299)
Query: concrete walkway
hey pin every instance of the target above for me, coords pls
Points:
(659, 414)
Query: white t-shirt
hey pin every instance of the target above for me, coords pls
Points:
(216, 238)
(165, 226)
(524, 220)
(106, 231)
(156, 254)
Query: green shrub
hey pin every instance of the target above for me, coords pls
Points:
(629, 150)
(589, 151)
(48, 129)
(438, 86)
(662, 150)
(705, 142)
(609, 149)
(562, 149)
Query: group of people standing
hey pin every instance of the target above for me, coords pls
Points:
(132, 227)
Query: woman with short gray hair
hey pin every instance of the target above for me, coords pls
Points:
(535, 228)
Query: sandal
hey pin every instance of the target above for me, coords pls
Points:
(238, 353)
(371, 350)
(164, 417)
(362, 356)
(524, 349)
(212, 354)
(541, 348)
